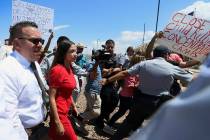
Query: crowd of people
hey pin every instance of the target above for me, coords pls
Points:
(37, 87)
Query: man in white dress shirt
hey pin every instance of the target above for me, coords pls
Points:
(24, 103)
(6, 129)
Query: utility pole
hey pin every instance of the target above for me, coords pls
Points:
(97, 43)
(157, 15)
(143, 35)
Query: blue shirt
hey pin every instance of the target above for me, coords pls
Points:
(93, 86)
(81, 60)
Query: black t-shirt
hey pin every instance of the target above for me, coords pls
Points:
(112, 63)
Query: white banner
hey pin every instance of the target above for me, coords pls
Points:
(187, 35)
(24, 11)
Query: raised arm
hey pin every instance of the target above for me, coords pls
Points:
(188, 63)
(115, 77)
(151, 44)
(46, 47)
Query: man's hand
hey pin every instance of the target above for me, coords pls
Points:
(93, 75)
(103, 81)
(74, 111)
(159, 34)
(116, 70)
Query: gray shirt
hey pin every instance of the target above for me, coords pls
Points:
(157, 76)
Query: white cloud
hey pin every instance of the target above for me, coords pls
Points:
(201, 9)
(134, 38)
(96, 44)
(125, 39)
(56, 28)
(128, 36)
(131, 38)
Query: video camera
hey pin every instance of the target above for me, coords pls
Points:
(101, 55)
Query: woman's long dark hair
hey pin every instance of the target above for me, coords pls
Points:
(61, 52)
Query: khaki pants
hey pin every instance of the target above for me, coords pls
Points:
(93, 106)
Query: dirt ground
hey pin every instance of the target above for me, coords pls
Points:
(94, 132)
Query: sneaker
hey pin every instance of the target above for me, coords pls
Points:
(109, 130)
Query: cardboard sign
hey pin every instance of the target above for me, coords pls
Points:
(24, 11)
(187, 35)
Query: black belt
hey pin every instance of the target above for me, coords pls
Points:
(35, 128)
(139, 94)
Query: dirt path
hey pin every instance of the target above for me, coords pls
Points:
(94, 132)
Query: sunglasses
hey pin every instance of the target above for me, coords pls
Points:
(35, 41)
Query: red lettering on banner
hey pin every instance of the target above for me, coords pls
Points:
(177, 39)
(180, 27)
(177, 17)
(205, 36)
(201, 23)
(187, 29)
(193, 21)
(195, 35)
(189, 35)
(171, 37)
(204, 23)
(184, 20)
(168, 27)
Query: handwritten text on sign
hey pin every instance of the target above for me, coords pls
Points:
(24, 11)
(188, 35)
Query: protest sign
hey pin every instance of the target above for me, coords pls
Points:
(24, 11)
(187, 35)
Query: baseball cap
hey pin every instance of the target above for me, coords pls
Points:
(160, 51)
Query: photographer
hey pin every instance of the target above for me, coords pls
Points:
(109, 93)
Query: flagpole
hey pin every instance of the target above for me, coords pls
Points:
(157, 15)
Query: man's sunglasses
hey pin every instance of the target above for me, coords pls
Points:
(35, 41)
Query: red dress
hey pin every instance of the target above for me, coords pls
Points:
(63, 80)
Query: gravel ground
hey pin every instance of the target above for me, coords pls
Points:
(94, 132)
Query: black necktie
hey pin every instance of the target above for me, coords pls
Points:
(41, 85)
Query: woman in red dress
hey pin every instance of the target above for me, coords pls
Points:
(62, 82)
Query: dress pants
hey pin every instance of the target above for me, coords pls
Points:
(125, 104)
(143, 107)
(109, 102)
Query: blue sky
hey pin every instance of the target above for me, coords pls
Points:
(92, 21)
